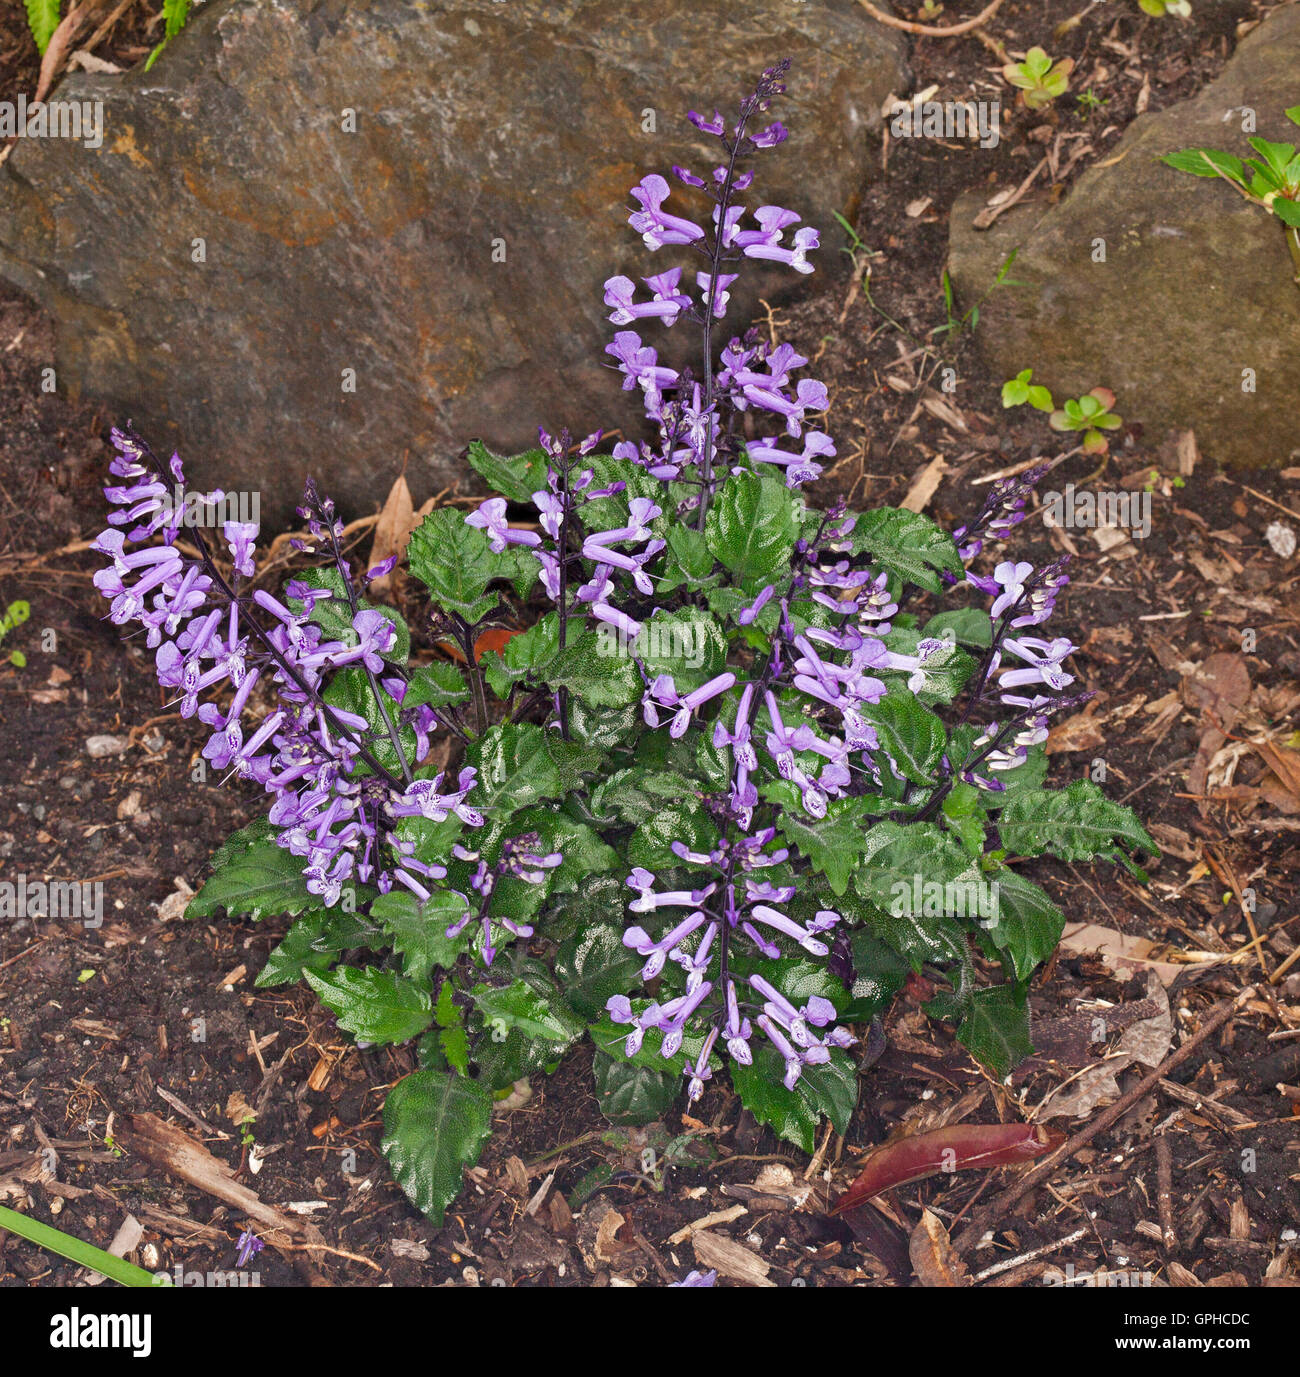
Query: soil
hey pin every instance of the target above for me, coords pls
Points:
(149, 1013)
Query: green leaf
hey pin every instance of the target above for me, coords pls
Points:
(371, 1004)
(592, 667)
(313, 943)
(879, 972)
(1286, 211)
(254, 880)
(593, 965)
(688, 645)
(970, 626)
(519, 1005)
(833, 844)
(908, 544)
(42, 20)
(635, 795)
(456, 564)
(527, 654)
(418, 931)
(435, 1124)
(1074, 824)
(631, 1094)
(517, 477)
(752, 526)
(334, 614)
(454, 1045)
(437, 684)
(1028, 924)
(1207, 162)
(828, 1090)
(516, 769)
(83, 1254)
(689, 551)
(910, 735)
(175, 13)
(995, 1031)
(964, 815)
(687, 822)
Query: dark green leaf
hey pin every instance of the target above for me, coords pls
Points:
(436, 684)
(1029, 924)
(254, 881)
(418, 931)
(593, 667)
(593, 965)
(455, 563)
(912, 736)
(373, 1005)
(631, 1094)
(908, 544)
(519, 1005)
(1074, 824)
(435, 1124)
(516, 477)
(995, 1031)
(751, 527)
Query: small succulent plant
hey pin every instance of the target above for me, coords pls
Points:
(1020, 389)
(1039, 78)
(1091, 414)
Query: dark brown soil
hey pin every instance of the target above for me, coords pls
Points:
(96, 1024)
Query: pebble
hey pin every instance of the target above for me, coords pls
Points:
(98, 747)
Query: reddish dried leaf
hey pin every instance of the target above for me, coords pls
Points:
(494, 638)
(960, 1147)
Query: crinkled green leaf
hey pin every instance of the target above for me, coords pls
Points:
(1074, 824)
(435, 1125)
(632, 1094)
(371, 1004)
(752, 526)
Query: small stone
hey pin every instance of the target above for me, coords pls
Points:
(1281, 539)
(98, 747)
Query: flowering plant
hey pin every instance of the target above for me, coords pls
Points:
(733, 783)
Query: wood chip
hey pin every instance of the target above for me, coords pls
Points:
(930, 1249)
(717, 1252)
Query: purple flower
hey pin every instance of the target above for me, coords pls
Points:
(241, 536)
(666, 303)
(654, 226)
(491, 517)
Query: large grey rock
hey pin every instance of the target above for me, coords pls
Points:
(480, 126)
(1196, 285)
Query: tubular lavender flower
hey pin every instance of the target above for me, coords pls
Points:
(334, 802)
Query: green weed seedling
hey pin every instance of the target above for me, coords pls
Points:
(15, 615)
(1272, 180)
(1091, 414)
(1039, 79)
